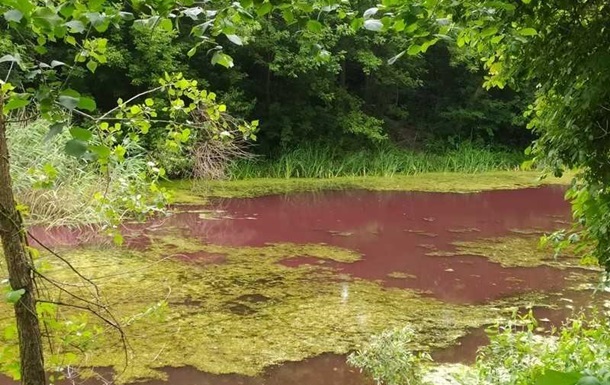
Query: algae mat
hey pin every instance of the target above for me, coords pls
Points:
(193, 191)
(243, 312)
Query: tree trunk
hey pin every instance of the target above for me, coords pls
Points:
(20, 273)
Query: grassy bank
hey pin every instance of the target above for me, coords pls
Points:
(387, 160)
(194, 191)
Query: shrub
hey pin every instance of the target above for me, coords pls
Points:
(578, 352)
(389, 359)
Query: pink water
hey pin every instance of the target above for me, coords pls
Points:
(392, 230)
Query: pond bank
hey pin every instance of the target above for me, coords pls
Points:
(186, 191)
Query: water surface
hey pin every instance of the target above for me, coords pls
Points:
(394, 232)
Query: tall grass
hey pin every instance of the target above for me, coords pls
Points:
(327, 162)
(56, 188)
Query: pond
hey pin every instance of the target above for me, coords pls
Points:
(276, 289)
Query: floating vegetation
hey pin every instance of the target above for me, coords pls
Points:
(341, 233)
(422, 233)
(250, 311)
(401, 275)
(193, 192)
(512, 252)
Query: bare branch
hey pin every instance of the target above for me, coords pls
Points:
(53, 253)
(128, 101)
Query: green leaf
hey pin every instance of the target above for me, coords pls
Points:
(414, 49)
(428, 44)
(69, 98)
(75, 26)
(14, 296)
(373, 25)
(15, 102)
(76, 148)
(588, 380)
(46, 17)
(288, 16)
(501, 5)
(13, 15)
(191, 52)
(80, 134)
(264, 9)
(120, 152)
(527, 32)
(489, 31)
(69, 102)
(87, 104)
(55, 129)
(314, 26)
(166, 25)
(101, 151)
(223, 59)
(70, 40)
(235, 39)
(553, 377)
(92, 66)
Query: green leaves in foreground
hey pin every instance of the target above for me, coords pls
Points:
(13, 296)
(554, 377)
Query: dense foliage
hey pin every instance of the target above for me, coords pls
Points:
(327, 82)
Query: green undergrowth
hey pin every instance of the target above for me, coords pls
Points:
(324, 161)
(186, 191)
(248, 312)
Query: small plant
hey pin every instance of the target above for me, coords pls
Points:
(389, 359)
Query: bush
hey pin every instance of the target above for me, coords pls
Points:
(389, 359)
(578, 352)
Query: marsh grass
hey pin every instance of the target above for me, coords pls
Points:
(387, 161)
(58, 189)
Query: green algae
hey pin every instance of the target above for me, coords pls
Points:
(194, 191)
(513, 251)
(249, 312)
(272, 252)
(401, 275)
